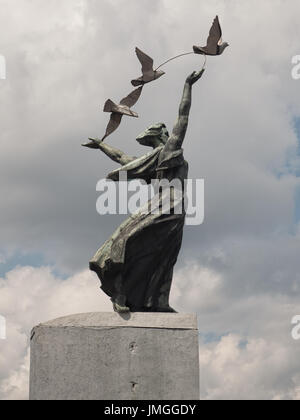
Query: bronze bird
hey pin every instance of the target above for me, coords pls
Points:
(215, 45)
(149, 74)
(117, 111)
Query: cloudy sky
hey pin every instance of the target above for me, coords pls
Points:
(239, 270)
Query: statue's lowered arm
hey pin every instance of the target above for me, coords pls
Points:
(115, 154)
(179, 131)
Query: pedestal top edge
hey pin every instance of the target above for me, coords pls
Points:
(131, 320)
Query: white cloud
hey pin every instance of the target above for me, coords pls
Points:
(256, 370)
(246, 346)
(196, 288)
(15, 385)
(29, 296)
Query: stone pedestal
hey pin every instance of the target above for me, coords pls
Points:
(106, 356)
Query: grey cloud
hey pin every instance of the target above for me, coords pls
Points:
(64, 59)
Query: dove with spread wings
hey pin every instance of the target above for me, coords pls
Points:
(215, 45)
(118, 111)
(149, 74)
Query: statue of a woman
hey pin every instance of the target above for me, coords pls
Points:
(135, 266)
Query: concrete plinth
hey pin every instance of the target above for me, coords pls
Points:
(105, 356)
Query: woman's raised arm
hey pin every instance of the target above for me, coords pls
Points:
(176, 139)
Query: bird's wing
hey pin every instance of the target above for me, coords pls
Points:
(132, 98)
(114, 122)
(215, 34)
(146, 61)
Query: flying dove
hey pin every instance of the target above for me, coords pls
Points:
(149, 74)
(215, 45)
(117, 111)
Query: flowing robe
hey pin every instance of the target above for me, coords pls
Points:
(144, 249)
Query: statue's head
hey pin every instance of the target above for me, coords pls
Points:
(156, 135)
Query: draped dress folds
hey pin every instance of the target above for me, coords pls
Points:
(145, 248)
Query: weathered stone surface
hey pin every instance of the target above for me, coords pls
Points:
(136, 320)
(105, 356)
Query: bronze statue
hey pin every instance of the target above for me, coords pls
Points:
(215, 45)
(149, 74)
(135, 266)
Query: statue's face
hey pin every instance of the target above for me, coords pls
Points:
(156, 135)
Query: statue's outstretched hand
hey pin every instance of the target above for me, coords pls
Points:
(194, 77)
(93, 143)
